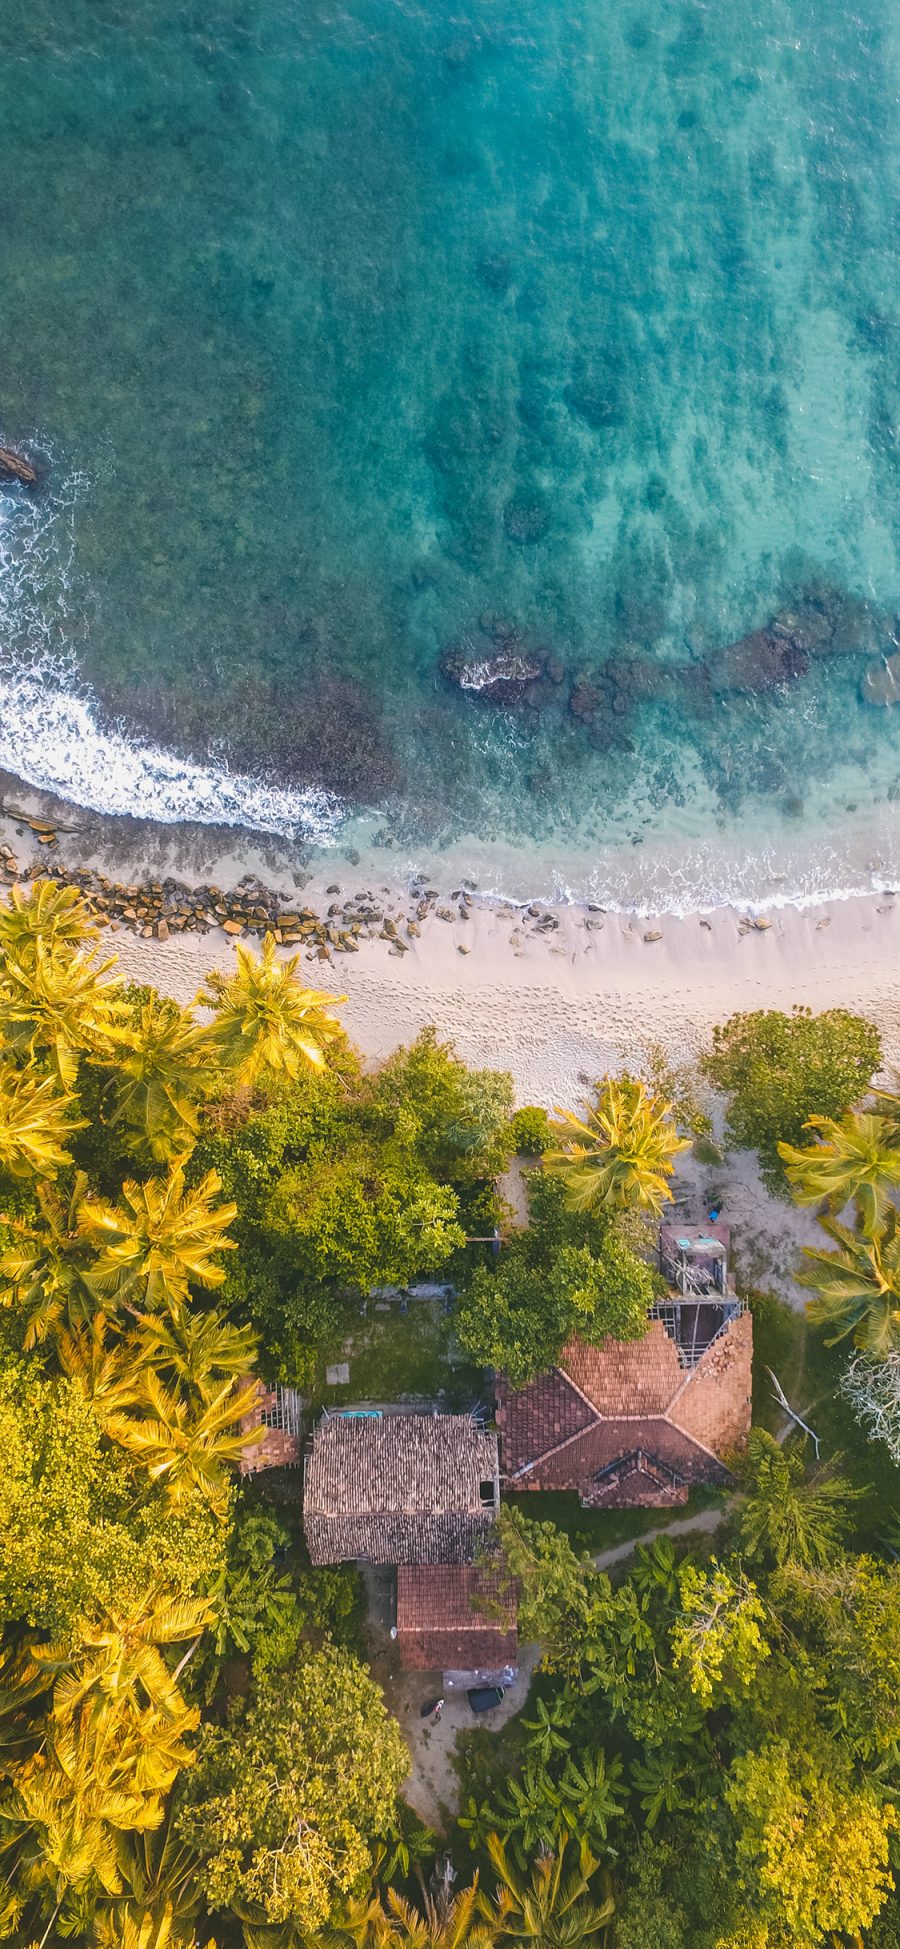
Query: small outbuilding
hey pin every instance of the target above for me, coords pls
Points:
(273, 1427)
(455, 1617)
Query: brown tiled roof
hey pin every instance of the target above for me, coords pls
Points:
(633, 1396)
(441, 1625)
(402, 1489)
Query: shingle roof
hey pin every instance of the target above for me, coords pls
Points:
(402, 1489)
(441, 1625)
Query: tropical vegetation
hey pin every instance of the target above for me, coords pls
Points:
(195, 1751)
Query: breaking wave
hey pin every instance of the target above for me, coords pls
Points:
(50, 733)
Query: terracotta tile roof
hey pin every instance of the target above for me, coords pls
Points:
(440, 1626)
(403, 1489)
(631, 1397)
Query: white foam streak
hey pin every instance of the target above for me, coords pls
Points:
(49, 737)
(50, 733)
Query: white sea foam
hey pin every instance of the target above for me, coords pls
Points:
(51, 734)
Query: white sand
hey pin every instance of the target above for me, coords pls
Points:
(568, 1007)
(560, 1011)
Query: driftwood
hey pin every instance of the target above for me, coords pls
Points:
(15, 466)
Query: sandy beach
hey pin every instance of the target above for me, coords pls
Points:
(557, 995)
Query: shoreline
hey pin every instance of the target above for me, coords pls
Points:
(555, 992)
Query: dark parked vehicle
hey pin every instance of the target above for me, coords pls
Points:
(483, 1698)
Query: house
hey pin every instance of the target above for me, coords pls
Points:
(639, 1422)
(456, 1618)
(272, 1426)
(399, 1488)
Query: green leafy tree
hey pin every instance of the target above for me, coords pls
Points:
(565, 1274)
(779, 1070)
(364, 1218)
(76, 1529)
(454, 1119)
(856, 1158)
(812, 1845)
(857, 1288)
(621, 1154)
(849, 1615)
(786, 1517)
(530, 1131)
(283, 1805)
(266, 1021)
(518, 1316)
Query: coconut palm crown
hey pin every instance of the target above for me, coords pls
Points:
(857, 1288)
(266, 1019)
(857, 1157)
(621, 1154)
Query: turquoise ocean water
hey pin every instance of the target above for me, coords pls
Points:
(356, 334)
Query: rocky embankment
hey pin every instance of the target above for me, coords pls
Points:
(161, 909)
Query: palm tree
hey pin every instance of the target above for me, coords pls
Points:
(108, 1377)
(36, 1122)
(119, 1665)
(444, 1922)
(554, 1906)
(159, 1241)
(48, 914)
(857, 1287)
(184, 1448)
(57, 1005)
(785, 1516)
(528, 1810)
(265, 1019)
(162, 1065)
(620, 1156)
(195, 1352)
(47, 1268)
(590, 1794)
(857, 1157)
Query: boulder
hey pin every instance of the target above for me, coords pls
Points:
(502, 676)
(759, 661)
(14, 466)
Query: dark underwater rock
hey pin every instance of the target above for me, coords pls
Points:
(14, 466)
(526, 519)
(759, 661)
(503, 675)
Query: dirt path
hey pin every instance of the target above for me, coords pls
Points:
(707, 1520)
(432, 1786)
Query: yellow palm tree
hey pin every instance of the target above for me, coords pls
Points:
(36, 1122)
(621, 1154)
(266, 1019)
(107, 1376)
(555, 1906)
(196, 1352)
(857, 1157)
(53, 915)
(119, 1664)
(44, 1273)
(159, 1241)
(162, 1068)
(56, 1005)
(185, 1448)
